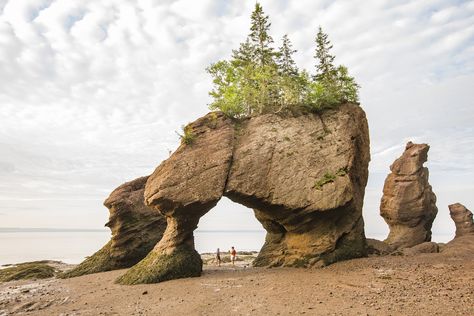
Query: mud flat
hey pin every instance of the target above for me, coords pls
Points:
(425, 284)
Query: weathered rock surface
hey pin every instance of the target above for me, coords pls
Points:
(408, 203)
(462, 218)
(460, 246)
(303, 174)
(135, 228)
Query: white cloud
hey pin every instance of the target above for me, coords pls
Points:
(91, 92)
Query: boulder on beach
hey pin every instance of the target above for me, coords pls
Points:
(378, 247)
(463, 242)
(304, 174)
(135, 227)
(408, 203)
(462, 218)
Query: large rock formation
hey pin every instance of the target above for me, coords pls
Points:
(303, 174)
(408, 202)
(135, 228)
(462, 218)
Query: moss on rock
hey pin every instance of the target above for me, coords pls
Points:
(98, 262)
(182, 262)
(26, 271)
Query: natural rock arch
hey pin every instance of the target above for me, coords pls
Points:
(303, 174)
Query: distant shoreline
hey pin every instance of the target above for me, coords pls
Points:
(92, 230)
(50, 230)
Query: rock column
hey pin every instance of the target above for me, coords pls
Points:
(408, 203)
(462, 218)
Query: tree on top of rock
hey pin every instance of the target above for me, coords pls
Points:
(325, 69)
(260, 37)
(286, 64)
(331, 85)
(258, 79)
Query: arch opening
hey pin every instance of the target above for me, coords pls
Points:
(229, 224)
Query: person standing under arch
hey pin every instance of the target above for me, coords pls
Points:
(233, 255)
(218, 257)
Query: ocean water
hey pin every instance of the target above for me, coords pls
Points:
(72, 246)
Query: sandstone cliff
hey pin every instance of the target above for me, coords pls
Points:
(408, 203)
(303, 174)
(135, 228)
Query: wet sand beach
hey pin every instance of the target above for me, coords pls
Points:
(426, 284)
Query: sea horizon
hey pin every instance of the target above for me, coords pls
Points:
(73, 245)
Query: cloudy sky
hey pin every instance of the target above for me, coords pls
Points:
(92, 92)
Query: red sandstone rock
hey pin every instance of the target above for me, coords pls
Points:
(303, 174)
(408, 203)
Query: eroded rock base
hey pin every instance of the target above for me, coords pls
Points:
(182, 262)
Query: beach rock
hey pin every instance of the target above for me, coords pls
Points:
(426, 247)
(136, 228)
(378, 247)
(408, 203)
(304, 174)
(462, 218)
(460, 246)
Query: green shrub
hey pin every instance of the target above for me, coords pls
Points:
(188, 136)
(329, 177)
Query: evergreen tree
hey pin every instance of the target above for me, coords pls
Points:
(325, 70)
(244, 55)
(260, 38)
(259, 80)
(347, 86)
(286, 64)
(290, 83)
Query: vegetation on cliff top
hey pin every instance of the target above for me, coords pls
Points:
(261, 79)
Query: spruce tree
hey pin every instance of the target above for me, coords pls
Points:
(325, 70)
(289, 81)
(244, 55)
(260, 80)
(286, 64)
(260, 38)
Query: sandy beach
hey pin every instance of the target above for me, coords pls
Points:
(427, 284)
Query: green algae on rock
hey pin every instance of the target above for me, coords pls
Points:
(182, 262)
(27, 271)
